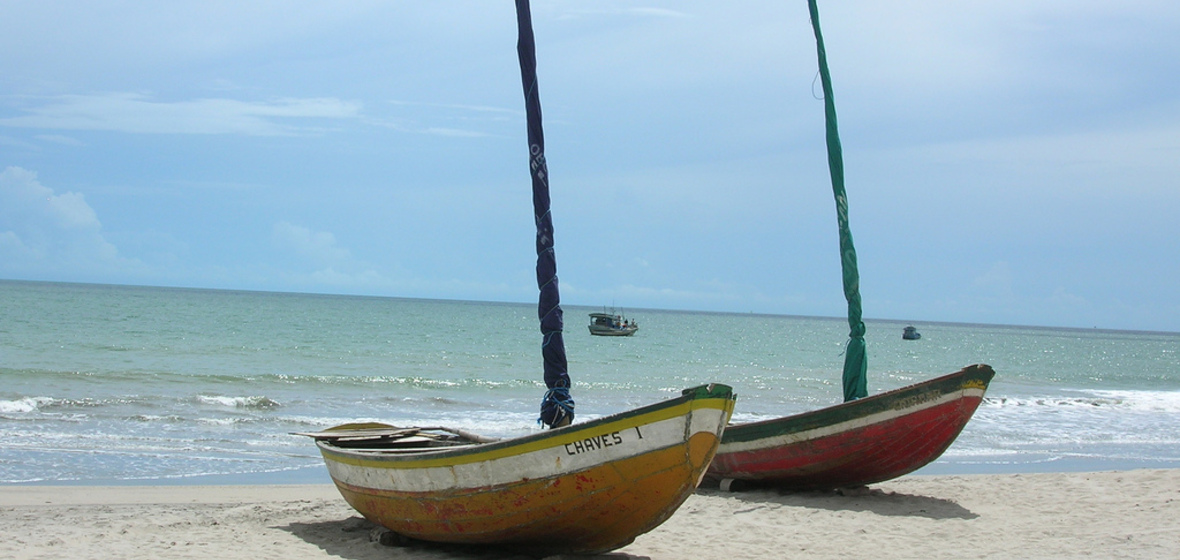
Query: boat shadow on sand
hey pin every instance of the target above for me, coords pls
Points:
(356, 538)
(862, 499)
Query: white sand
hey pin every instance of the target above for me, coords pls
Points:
(1132, 514)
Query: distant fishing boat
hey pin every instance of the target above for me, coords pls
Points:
(910, 333)
(865, 439)
(611, 324)
(577, 489)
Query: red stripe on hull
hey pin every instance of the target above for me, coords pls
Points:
(865, 455)
(855, 443)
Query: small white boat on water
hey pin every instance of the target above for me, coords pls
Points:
(611, 324)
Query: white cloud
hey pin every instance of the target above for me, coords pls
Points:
(995, 282)
(17, 143)
(623, 11)
(452, 132)
(334, 278)
(322, 264)
(136, 113)
(60, 139)
(469, 117)
(41, 230)
(11, 246)
(317, 246)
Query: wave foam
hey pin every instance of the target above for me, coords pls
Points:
(26, 404)
(238, 402)
(1153, 401)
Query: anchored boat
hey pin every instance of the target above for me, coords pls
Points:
(611, 324)
(859, 442)
(577, 488)
(582, 489)
(865, 439)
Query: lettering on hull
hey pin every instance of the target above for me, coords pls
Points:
(595, 443)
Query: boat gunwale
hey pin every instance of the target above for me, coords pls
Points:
(881, 402)
(691, 399)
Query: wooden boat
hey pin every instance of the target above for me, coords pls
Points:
(611, 324)
(579, 488)
(865, 439)
(582, 489)
(859, 442)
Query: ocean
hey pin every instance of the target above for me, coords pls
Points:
(139, 385)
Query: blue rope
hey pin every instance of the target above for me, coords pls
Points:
(559, 397)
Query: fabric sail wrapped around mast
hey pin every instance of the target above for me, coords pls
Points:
(855, 356)
(557, 408)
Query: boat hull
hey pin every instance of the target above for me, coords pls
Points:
(612, 331)
(856, 443)
(583, 489)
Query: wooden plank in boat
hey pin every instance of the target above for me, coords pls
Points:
(388, 433)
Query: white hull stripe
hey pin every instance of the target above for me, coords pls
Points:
(846, 426)
(537, 464)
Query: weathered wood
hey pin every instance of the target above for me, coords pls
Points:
(856, 443)
(386, 431)
(582, 489)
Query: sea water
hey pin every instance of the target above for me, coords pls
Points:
(138, 385)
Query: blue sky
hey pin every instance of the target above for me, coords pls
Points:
(1011, 162)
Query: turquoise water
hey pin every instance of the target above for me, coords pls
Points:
(115, 384)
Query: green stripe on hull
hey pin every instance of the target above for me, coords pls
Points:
(976, 376)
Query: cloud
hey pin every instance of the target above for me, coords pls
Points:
(317, 246)
(12, 247)
(452, 132)
(138, 114)
(18, 144)
(334, 278)
(995, 282)
(321, 264)
(463, 108)
(468, 118)
(42, 231)
(60, 139)
(637, 11)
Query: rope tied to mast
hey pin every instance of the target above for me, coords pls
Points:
(557, 407)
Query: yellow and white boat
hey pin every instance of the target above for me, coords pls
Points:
(583, 489)
(578, 488)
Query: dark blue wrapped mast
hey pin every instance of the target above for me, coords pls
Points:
(557, 408)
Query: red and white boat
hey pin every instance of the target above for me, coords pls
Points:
(865, 439)
(859, 442)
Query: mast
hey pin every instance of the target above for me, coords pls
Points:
(557, 407)
(855, 356)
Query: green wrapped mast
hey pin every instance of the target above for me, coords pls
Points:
(855, 356)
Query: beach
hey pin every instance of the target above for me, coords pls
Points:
(146, 423)
(1117, 514)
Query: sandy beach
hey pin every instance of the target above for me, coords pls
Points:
(1131, 514)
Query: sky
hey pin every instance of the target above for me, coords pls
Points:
(1007, 162)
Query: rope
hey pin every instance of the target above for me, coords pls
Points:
(558, 397)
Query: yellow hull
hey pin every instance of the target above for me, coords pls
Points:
(587, 488)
